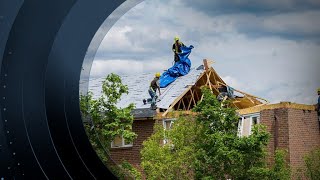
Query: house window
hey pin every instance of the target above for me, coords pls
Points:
(167, 125)
(246, 123)
(240, 126)
(119, 141)
(254, 120)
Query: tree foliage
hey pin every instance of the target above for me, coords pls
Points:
(173, 160)
(221, 152)
(281, 169)
(207, 147)
(312, 163)
(109, 120)
(123, 169)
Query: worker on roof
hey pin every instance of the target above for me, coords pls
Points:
(176, 48)
(225, 92)
(154, 85)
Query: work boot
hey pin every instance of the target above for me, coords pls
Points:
(153, 106)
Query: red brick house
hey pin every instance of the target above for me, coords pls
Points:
(294, 127)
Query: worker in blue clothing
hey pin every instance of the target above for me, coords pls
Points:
(154, 85)
(176, 48)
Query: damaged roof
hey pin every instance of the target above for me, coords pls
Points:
(182, 94)
(138, 86)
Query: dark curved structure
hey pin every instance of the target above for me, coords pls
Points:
(42, 48)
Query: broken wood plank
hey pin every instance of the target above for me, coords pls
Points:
(206, 65)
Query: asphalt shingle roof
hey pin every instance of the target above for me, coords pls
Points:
(138, 88)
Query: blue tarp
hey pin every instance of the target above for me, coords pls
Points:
(180, 68)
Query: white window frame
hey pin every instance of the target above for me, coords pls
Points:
(245, 118)
(257, 115)
(122, 143)
(165, 128)
(165, 120)
(240, 126)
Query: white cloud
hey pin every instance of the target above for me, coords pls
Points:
(103, 67)
(305, 23)
(270, 66)
(117, 40)
(301, 92)
(235, 83)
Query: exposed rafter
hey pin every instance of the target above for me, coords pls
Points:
(210, 78)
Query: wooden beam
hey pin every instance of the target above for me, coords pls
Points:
(176, 101)
(179, 104)
(210, 75)
(197, 95)
(203, 79)
(189, 104)
(208, 79)
(184, 106)
(214, 78)
(208, 83)
(191, 99)
(201, 76)
(192, 94)
(206, 65)
(248, 97)
(214, 87)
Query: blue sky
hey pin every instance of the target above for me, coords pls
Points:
(267, 48)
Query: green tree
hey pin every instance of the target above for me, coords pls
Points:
(207, 147)
(281, 169)
(221, 152)
(173, 160)
(312, 163)
(109, 121)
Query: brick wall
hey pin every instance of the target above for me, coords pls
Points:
(267, 119)
(292, 129)
(304, 134)
(282, 127)
(144, 129)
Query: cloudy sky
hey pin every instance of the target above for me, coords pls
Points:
(266, 48)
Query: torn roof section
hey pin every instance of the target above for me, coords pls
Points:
(183, 94)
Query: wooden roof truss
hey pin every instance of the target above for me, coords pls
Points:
(209, 78)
